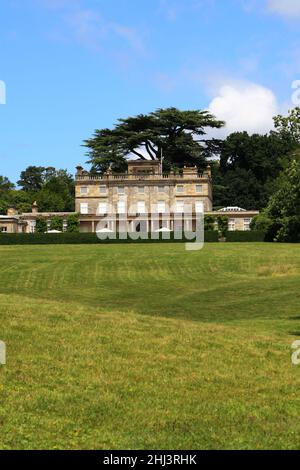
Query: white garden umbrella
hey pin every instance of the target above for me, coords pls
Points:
(53, 231)
(104, 230)
(164, 229)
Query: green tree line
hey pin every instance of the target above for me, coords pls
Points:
(53, 190)
(251, 171)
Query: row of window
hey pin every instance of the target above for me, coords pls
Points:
(180, 189)
(141, 208)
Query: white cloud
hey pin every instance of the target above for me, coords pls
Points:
(288, 8)
(245, 106)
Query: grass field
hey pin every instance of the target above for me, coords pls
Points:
(150, 347)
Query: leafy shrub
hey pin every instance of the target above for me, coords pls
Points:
(261, 223)
(41, 225)
(289, 231)
(223, 224)
(253, 236)
(56, 224)
(209, 223)
(73, 223)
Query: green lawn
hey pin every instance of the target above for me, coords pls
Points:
(150, 346)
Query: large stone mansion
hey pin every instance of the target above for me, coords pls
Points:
(125, 202)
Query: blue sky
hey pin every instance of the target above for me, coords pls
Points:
(71, 66)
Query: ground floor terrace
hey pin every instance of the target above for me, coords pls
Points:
(141, 224)
(237, 221)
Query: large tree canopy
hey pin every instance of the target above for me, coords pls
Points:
(248, 168)
(289, 126)
(54, 190)
(178, 135)
(281, 217)
(5, 184)
(34, 178)
(245, 173)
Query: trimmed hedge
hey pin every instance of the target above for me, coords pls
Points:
(91, 238)
(241, 237)
(211, 237)
(83, 239)
(47, 239)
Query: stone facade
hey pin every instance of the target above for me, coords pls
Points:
(144, 190)
(239, 219)
(124, 202)
(12, 222)
(26, 222)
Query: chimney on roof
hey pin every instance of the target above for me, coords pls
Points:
(35, 209)
(12, 211)
(79, 170)
(208, 171)
(190, 172)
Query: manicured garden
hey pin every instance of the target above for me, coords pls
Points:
(149, 346)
